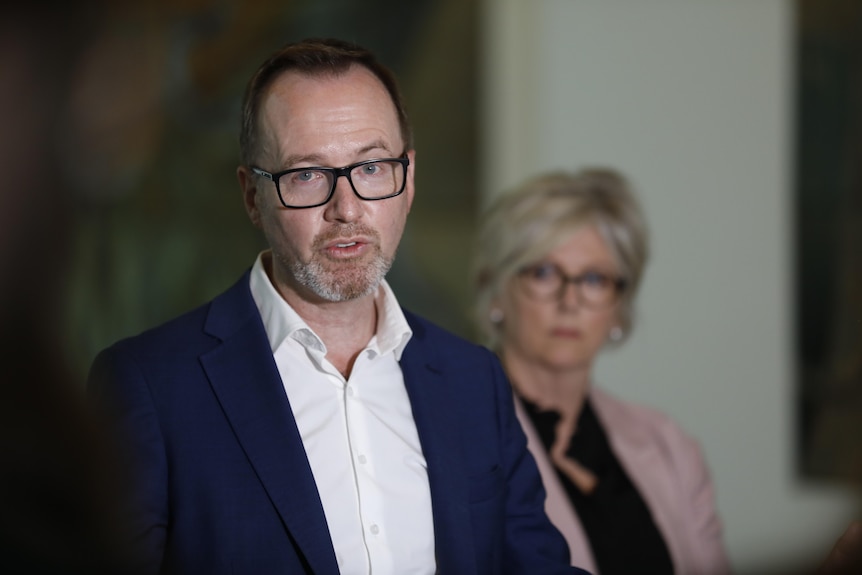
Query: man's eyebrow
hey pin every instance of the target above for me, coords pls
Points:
(311, 159)
(317, 161)
(376, 145)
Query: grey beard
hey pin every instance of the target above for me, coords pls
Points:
(349, 283)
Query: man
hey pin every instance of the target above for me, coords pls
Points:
(301, 422)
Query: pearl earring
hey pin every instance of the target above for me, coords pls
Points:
(616, 333)
(495, 315)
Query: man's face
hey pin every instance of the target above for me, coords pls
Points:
(341, 250)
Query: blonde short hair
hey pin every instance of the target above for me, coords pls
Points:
(523, 226)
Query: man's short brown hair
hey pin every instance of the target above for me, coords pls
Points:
(313, 57)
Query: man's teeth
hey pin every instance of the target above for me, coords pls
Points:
(346, 245)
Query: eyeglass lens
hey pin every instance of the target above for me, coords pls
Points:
(373, 180)
(548, 281)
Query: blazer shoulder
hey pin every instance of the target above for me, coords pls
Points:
(635, 423)
(428, 332)
(466, 366)
(207, 322)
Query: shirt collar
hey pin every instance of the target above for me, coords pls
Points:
(280, 320)
(393, 332)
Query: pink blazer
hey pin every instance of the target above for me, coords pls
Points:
(669, 471)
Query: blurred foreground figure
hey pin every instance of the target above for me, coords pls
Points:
(558, 266)
(845, 558)
(59, 499)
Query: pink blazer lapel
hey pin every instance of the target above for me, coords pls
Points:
(557, 506)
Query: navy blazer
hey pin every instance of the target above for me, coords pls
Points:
(222, 482)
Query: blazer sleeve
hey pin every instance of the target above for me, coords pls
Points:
(706, 527)
(117, 385)
(668, 468)
(533, 544)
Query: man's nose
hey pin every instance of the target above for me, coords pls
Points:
(345, 205)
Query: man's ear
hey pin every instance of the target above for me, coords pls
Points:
(409, 189)
(248, 185)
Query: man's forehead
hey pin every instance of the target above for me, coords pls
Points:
(319, 107)
(357, 86)
(298, 81)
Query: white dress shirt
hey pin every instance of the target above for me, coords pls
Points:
(359, 436)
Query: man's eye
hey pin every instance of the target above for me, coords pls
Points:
(305, 177)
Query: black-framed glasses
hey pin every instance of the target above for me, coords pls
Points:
(546, 281)
(310, 187)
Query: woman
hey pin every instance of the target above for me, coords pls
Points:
(558, 266)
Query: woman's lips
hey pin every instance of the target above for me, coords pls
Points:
(564, 332)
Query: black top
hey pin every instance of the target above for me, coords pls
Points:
(619, 526)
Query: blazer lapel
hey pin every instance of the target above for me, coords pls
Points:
(244, 377)
(433, 398)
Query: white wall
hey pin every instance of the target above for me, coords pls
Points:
(693, 101)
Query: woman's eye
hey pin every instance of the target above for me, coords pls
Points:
(545, 272)
(596, 280)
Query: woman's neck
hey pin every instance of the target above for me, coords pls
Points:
(560, 390)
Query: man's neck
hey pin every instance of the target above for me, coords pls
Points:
(345, 327)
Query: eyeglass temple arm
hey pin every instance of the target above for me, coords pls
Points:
(263, 173)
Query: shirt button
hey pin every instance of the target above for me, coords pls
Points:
(362, 459)
(375, 529)
(350, 391)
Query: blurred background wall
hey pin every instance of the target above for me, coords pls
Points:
(697, 102)
(153, 152)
